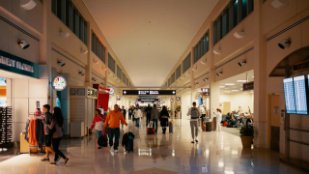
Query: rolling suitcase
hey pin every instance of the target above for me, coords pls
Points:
(102, 141)
(128, 141)
(170, 127)
(150, 129)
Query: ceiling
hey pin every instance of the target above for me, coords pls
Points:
(149, 36)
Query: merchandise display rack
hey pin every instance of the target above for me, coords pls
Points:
(5, 127)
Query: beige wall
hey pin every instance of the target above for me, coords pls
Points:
(24, 94)
(243, 100)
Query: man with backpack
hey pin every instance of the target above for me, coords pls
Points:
(194, 114)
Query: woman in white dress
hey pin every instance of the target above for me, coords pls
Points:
(219, 119)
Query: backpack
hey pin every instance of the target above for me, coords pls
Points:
(194, 113)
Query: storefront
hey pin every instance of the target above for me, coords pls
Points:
(22, 88)
(236, 99)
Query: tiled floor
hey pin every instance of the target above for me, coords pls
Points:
(157, 154)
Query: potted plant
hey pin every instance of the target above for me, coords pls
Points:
(246, 135)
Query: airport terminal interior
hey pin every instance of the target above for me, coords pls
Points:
(154, 86)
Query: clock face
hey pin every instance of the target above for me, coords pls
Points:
(59, 83)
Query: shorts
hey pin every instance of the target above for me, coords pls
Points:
(98, 133)
(48, 139)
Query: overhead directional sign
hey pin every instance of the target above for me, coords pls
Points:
(149, 92)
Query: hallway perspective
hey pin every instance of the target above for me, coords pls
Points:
(216, 152)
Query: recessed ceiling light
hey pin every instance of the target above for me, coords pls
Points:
(229, 84)
(241, 81)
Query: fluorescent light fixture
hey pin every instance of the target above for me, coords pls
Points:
(228, 172)
(221, 164)
(234, 90)
(221, 86)
(241, 81)
(229, 84)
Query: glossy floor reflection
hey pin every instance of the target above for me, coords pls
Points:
(157, 154)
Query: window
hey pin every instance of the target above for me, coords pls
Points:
(111, 63)
(186, 64)
(201, 47)
(70, 16)
(178, 72)
(119, 72)
(234, 13)
(173, 78)
(225, 25)
(97, 47)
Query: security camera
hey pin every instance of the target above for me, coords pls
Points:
(242, 63)
(61, 63)
(285, 43)
(23, 44)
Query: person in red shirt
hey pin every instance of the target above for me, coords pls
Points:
(113, 120)
(97, 125)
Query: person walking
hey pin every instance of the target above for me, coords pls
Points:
(97, 125)
(113, 120)
(148, 114)
(138, 114)
(47, 132)
(155, 117)
(218, 119)
(164, 115)
(56, 126)
(124, 112)
(131, 109)
(194, 117)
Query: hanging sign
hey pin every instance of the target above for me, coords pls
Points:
(18, 65)
(59, 83)
(248, 86)
(148, 92)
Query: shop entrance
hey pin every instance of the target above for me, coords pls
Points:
(21, 93)
(236, 102)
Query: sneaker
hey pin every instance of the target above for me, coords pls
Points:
(66, 161)
(196, 141)
(192, 141)
(45, 159)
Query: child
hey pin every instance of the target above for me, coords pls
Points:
(97, 124)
